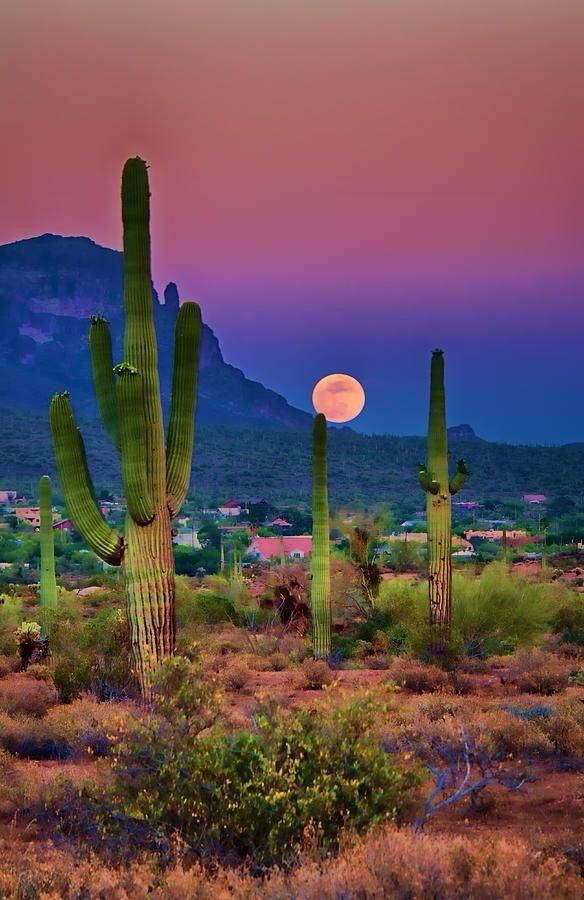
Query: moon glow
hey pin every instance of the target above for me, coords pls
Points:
(340, 397)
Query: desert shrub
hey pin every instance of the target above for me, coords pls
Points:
(258, 797)
(93, 655)
(294, 647)
(537, 672)
(577, 677)
(86, 725)
(212, 609)
(344, 645)
(505, 735)
(278, 661)
(568, 622)
(40, 672)
(72, 676)
(418, 677)
(496, 613)
(419, 866)
(236, 676)
(529, 713)
(437, 708)
(542, 681)
(461, 683)
(29, 738)
(315, 674)
(11, 615)
(566, 736)
(376, 661)
(21, 695)
(9, 664)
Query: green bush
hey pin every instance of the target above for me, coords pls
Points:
(494, 614)
(257, 797)
(93, 654)
(568, 622)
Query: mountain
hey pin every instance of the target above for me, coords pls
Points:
(364, 470)
(50, 285)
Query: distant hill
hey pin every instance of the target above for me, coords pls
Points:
(50, 285)
(363, 469)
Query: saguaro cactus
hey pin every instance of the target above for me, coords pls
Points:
(320, 592)
(155, 476)
(439, 489)
(48, 586)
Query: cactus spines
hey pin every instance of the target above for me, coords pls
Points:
(155, 476)
(434, 480)
(48, 585)
(320, 559)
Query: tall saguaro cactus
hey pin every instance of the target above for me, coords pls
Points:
(155, 475)
(48, 585)
(320, 592)
(439, 489)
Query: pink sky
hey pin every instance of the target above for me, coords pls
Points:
(336, 146)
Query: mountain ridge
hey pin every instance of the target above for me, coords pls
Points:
(51, 284)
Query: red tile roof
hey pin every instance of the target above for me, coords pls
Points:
(269, 547)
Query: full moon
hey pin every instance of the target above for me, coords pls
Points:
(340, 397)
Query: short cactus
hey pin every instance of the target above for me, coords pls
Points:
(48, 585)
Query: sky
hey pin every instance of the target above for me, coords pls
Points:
(343, 185)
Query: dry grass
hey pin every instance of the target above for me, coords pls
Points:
(387, 863)
(26, 695)
(236, 675)
(314, 675)
(418, 677)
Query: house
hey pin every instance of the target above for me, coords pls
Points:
(232, 529)
(421, 537)
(187, 539)
(533, 498)
(266, 548)
(465, 505)
(29, 515)
(514, 536)
(230, 508)
(467, 552)
(7, 498)
(279, 523)
(64, 525)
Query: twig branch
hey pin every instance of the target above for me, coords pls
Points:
(446, 777)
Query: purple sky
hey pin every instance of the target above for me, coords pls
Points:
(343, 184)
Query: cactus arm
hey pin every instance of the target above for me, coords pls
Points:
(77, 486)
(320, 558)
(459, 478)
(133, 444)
(428, 483)
(100, 346)
(48, 585)
(179, 447)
